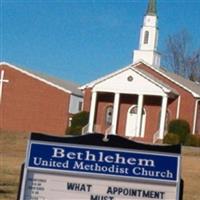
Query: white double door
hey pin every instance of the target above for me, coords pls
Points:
(131, 122)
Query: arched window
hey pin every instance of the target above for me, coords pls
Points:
(109, 114)
(146, 37)
(134, 110)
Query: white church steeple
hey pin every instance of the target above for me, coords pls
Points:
(149, 38)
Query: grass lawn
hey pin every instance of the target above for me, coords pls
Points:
(12, 154)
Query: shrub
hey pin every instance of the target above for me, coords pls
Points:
(193, 140)
(179, 127)
(79, 120)
(171, 138)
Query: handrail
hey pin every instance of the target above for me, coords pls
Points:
(85, 129)
(108, 130)
(156, 136)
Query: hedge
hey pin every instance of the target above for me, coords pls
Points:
(79, 120)
(179, 127)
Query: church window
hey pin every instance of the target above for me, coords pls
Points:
(80, 104)
(109, 114)
(130, 78)
(146, 37)
(134, 110)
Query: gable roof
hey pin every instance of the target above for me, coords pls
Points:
(158, 81)
(66, 86)
(190, 86)
(145, 75)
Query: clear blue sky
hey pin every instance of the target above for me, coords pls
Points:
(81, 40)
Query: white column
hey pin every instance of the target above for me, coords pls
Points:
(163, 116)
(139, 115)
(115, 113)
(92, 112)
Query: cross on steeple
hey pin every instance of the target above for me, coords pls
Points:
(2, 80)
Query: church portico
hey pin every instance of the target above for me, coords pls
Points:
(128, 114)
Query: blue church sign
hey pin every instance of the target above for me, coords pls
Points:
(88, 168)
(99, 161)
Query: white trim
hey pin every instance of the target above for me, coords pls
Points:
(166, 90)
(177, 83)
(91, 84)
(178, 107)
(130, 67)
(135, 64)
(36, 77)
(195, 116)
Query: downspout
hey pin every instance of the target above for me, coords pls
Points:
(195, 116)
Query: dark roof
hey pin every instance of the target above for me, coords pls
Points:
(151, 9)
(68, 85)
(193, 86)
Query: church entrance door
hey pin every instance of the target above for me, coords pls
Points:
(131, 122)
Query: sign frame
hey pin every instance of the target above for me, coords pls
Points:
(95, 141)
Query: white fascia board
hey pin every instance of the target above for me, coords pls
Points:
(177, 83)
(36, 77)
(131, 66)
(166, 90)
(91, 84)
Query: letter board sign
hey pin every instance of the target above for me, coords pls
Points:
(73, 168)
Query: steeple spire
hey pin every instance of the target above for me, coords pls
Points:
(151, 9)
(149, 38)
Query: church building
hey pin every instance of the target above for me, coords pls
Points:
(31, 102)
(139, 100)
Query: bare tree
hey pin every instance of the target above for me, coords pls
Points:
(194, 66)
(180, 58)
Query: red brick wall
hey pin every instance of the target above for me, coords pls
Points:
(30, 105)
(87, 99)
(152, 105)
(103, 101)
(187, 105)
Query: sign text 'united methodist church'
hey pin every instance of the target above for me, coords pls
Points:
(103, 162)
